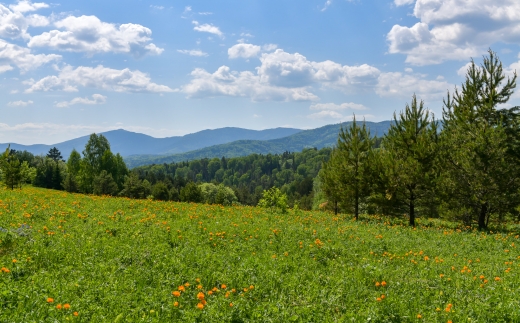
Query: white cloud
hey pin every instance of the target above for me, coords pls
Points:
(240, 84)
(98, 77)
(20, 103)
(244, 51)
(96, 99)
(405, 85)
(156, 7)
(91, 35)
(5, 68)
(294, 70)
(192, 52)
(399, 3)
(207, 28)
(282, 77)
(22, 57)
(337, 107)
(326, 114)
(455, 29)
(245, 35)
(205, 13)
(327, 4)
(26, 6)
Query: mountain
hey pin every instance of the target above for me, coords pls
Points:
(325, 136)
(130, 143)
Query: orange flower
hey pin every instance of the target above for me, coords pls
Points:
(227, 294)
(187, 284)
(176, 293)
(441, 275)
(497, 279)
(378, 284)
(383, 283)
(5, 270)
(58, 306)
(200, 296)
(378, 299)
(199, 286)
(230, 304)
(50, 300)
(66, 306)
(251, 287)
(223, 286)
(383, 296)
(14, 261)
(210, 293)
(200, 306)
(176, 304)
(419, 316)
(181, 288)
(75, 313)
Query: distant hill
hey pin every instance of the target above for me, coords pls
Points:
(326, 136)
(130, 143)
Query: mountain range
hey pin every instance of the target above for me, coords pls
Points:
(140, 149)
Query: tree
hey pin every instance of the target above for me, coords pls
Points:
(11, 169)
(225, 196)
(350, 166)
(94, 160)
(412, 142)
(160, 192)
(191, 193)
(133, 187)
(104, 184)
(274, 199)
(54, 154)
(480, 143)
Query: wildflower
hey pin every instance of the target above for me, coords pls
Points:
(200, 296)
(378, 299)
(378, 284)
(58, 306)
(223, 286)
(383, 283)
(176, 304)
(200, 306)
(383, 296)
(187, 284)
(481, 277)
(230, 304)
(210, 292)
(14, 261)
(497, 279)
(5, 270)
(176, 293)
(199, 286)
(227, 295)
(75, 313)
(251, 287)
(181, 288)
(419, 316)
(441, 275)
(66, 306)
(50, 300)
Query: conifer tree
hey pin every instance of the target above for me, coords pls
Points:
(412, 142)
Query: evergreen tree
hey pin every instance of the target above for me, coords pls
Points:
(11, 169)
(104, 184)
(160, 192)
(54, 154)
(191, 193)
(412, 141)
(480, 144)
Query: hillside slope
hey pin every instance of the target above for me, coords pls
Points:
(325, 136)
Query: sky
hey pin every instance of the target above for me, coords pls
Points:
(169, 68)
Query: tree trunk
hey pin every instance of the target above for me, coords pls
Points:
(482, 217)
(356, 206)
(412, 209)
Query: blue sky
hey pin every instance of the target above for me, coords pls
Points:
(168, 68)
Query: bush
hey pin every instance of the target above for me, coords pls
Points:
(274, 199)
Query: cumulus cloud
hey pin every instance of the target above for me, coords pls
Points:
(99, 77)
(207, 28)
(91, 35)
(242, 50)
(451, 30)
(26, 6)
(281, 76)
(192, 52)
(401, 85)
(224, 82)
(20, 103)
(399, 3)
(22, 57)
(96, 99)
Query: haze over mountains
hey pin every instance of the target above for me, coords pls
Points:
(140, 149)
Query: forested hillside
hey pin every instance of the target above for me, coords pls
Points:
(248, 176)
(325, 136)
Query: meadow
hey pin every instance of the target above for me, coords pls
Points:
(71, 257)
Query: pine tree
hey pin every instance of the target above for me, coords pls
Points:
(54, 154)
(412, 142)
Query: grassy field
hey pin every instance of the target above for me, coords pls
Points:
(68, 257)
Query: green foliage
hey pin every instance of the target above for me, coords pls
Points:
(274, 200)
(480, 145)
(412, 146)
(160, 192)
(104, 184)
(191, 193)
(217, 194)
(54, 154)
(133, 187)
(11, 170)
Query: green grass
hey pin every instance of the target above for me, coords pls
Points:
(119, 260)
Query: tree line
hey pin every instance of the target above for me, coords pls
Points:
(465, 166)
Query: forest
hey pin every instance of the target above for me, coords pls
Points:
(463, 167)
